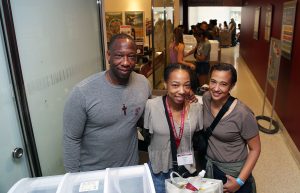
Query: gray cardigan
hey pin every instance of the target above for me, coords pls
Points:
(160, 149)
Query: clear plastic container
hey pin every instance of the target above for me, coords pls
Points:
(134, 179)
(88, 182)
(37, 185)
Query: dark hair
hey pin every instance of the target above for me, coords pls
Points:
(178, 35)
(225, 67)
(198, 33)
(172, 67)
(117, 37)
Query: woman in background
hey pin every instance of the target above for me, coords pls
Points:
(225, 26)
(202, 55)
(176, 49)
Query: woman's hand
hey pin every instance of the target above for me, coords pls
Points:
(192, 66)
(191, 98)
(231, 185)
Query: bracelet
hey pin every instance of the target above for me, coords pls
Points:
(240, 182)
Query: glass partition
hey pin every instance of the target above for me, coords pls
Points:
(163, 25)
(58, 43)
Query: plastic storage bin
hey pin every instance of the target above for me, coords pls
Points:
(131, 179)
(92, 181)
(134, 179)
(37, 185)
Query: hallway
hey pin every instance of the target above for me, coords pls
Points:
(276, 170)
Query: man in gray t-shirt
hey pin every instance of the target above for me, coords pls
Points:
(101, 113)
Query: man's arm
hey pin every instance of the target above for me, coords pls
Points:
(74, 119)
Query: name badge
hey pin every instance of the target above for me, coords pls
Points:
(185, 159)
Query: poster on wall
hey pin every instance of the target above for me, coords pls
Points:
(113, 22)
(148, 26)
(126, 29)
(274, 62)
(256, 23)
(136, 20)
(287, 29)
(268, 23)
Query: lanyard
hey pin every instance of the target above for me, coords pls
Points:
(177, 138)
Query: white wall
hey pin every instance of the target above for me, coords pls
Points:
(177, 13)
(199, 14)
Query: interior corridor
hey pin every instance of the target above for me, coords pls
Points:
(276, 171)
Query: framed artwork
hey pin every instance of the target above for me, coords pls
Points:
(268, 24)
(148, 26)
(126, 29)
(287, 29)
(113, 22)
(256, 23)
(136, 20)
(274, 62)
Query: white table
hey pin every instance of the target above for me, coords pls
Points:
(190, 42)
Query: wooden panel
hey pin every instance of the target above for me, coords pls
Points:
(232, 2)
(256, 52)
(205, 2)
(215, 2)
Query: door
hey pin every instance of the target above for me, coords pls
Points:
(11, 168)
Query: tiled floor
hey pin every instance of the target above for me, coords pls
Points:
(276, 170)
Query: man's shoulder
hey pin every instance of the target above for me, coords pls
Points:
(90, 79)
(140, 81)
(139, 77)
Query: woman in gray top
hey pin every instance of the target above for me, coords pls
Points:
(234, 146)
(185, 119)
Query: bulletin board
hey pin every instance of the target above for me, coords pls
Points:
(113, 22)
(268, 24)
(136, 20)
(287, 29)
(256, 23)
(274, 62)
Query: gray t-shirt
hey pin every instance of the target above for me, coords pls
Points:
(228, 141)
(98, 131)
(159, 150)
(204, 48)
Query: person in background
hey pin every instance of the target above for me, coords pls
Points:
(176, 49)
(232, 30)
(193, 29)
(205, 28)
(185, 118)
(215, 30)
(234, 146)
(202, 55)
(102, 111)
(225, 26)
(182, 28)
(238, 34)
(220, 26)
